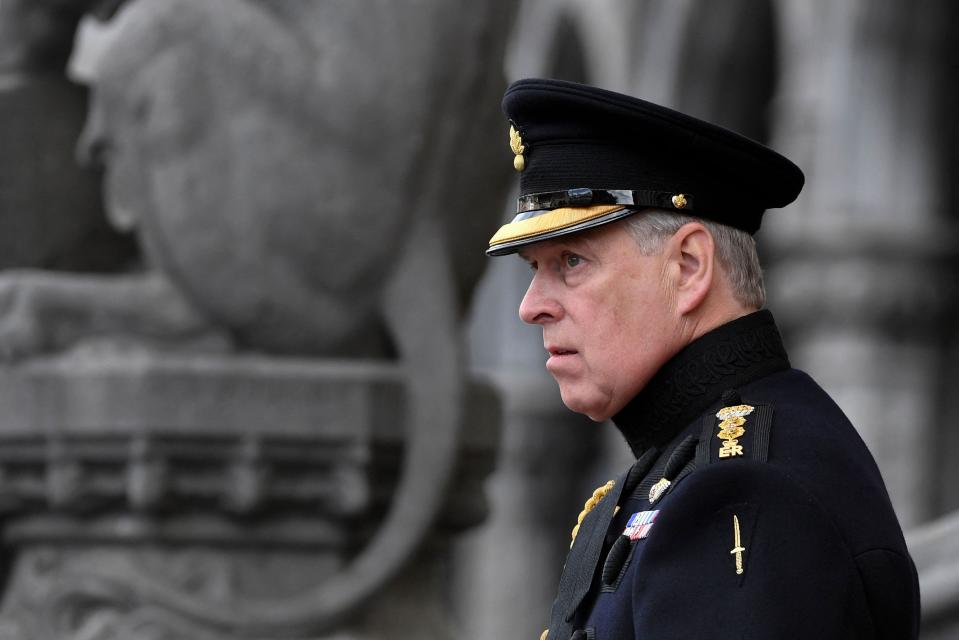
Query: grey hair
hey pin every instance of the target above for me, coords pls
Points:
(735, 249)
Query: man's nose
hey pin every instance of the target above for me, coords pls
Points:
(539, 306)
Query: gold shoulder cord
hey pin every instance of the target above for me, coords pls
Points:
(594, 500)
(598, 495)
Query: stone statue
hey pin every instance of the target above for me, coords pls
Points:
(51, 214)
(319, 189)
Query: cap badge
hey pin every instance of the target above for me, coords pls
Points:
(679, 201)
(516, 144)
(731, 429)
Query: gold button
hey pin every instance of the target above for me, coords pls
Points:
(679, 201)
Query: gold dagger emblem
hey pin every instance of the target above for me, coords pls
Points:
(739, 548)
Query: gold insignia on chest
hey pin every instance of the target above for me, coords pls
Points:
(658, 489)
(516, 144)
(731, 429)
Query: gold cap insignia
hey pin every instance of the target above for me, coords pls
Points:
(516, 144)
(679, 201)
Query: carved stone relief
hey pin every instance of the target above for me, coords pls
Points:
(311, 188)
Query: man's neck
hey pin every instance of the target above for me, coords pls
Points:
(709, 317)
(730, 355)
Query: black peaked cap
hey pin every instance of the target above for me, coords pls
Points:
(598, 155)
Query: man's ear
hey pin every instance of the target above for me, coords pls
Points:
(690, 252)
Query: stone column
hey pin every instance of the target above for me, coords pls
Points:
(935, 550)
(864, 262)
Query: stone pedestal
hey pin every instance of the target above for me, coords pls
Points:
(507, 572)
(133, 480)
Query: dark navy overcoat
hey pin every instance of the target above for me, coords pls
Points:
(768, 520)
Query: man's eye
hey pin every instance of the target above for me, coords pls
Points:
(572, 260)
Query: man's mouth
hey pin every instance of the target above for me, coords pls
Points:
(560, 351)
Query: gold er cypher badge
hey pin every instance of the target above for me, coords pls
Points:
(731, 429)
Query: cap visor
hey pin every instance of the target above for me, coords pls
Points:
(551, 224)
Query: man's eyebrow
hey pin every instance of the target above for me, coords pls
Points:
(564, 244)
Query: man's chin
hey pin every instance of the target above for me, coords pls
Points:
(593, 408)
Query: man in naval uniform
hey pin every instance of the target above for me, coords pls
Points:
(754, 509)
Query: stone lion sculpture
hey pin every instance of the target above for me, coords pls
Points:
(321, 188)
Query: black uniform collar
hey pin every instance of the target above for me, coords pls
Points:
(729, 356)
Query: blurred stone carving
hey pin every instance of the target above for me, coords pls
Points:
(320, 186)
(51, 214)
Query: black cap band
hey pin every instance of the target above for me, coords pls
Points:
(584, 197)
(577, 146)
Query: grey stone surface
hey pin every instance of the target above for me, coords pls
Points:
(249, 154)
(935, 549)
(303, 178)
(863, 264)
(51, 214)
(135, 482)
